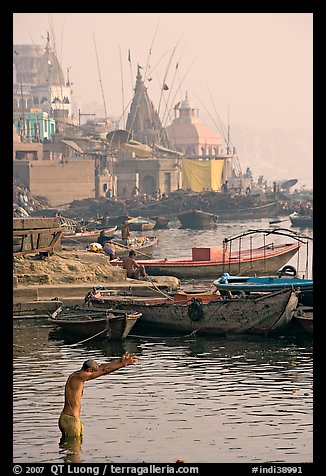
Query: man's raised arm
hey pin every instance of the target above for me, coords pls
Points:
(126, 359)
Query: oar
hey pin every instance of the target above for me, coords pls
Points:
(278, 221)
(130, 248)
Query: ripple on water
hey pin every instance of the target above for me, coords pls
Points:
(243, 399)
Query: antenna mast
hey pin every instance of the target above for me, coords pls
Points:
(228, 142)
(99, 73)
(150, 51)
(123, 101)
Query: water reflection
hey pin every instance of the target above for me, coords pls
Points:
(204, 399)
(70, 449)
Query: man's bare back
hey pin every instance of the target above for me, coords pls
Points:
(73, 394)
(134, 270)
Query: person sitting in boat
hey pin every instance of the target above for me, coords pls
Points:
(224, 278)
(103, 238)
(125, 231)
(109, 249)
(134, 270)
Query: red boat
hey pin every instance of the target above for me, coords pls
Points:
(236, 259)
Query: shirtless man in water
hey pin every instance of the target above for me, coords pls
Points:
(70, 423)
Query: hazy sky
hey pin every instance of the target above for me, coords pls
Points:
(252, 69)
(257, 65)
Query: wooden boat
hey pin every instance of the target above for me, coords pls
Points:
(86, 236)
(141, 224)
(161, 222)
(268, 210)
(303, 319)
(301, 221)
(92, 322)
(207, 263)
(143, 245)
(248, 284)
(249, 261)
(207, 313)
(36, 235)
(197, 219)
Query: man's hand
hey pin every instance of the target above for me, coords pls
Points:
(128, 359)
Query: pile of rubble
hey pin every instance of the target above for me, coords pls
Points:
(24, 203)
(65, 267)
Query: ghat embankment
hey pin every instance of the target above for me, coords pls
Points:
(65, 277)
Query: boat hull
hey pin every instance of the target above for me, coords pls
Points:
(94, 323)
(141, 224)
(265, 284)
(238, 285)
(301, 221)
(303, 319)
(85, 237)
(249, 264)
(161, 222)
(197, 219)
(144, 250)
(268, 210)
(267, 313)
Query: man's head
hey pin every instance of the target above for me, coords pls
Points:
(132, 253)
(90, 365)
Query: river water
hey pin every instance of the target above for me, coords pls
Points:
(202, 399)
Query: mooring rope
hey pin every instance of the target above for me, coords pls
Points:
(85, 340)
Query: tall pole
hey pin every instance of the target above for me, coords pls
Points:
(123, 101)
(228, 142)
(99, 73)
(84, 114)
(23, 108)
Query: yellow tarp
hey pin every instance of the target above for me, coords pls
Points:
(198, 175)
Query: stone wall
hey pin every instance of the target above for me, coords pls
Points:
(59, 182)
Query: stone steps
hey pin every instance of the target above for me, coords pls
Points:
(38, 301)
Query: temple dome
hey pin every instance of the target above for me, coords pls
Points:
(186, 104)
(188, 132)
(49, 71)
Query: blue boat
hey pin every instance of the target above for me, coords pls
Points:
(248, 284)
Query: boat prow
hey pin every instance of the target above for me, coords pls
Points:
(95, 323)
